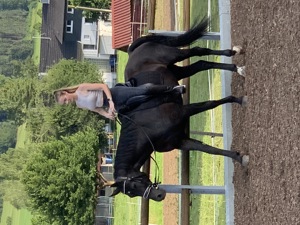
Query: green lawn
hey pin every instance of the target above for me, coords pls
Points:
(207, 169)
(14, 216)
(10, 213)
(33, 33)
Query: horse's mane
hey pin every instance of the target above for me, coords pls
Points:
(190, 36)
(127, 146)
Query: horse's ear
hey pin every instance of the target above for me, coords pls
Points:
(117, 191)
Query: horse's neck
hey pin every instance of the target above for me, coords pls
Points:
(127, 160)
(124, 161)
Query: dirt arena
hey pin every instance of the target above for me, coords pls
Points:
(268, 192)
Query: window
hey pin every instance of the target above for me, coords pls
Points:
(70, 10)
(86, 37)
(69, 26)
(90, 47)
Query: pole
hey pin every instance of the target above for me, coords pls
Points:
(185, 173)
(89, 8)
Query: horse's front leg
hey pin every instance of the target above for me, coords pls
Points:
(195, 108)
(192, 144)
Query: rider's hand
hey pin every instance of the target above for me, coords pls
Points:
(110, 116)
(111, 109)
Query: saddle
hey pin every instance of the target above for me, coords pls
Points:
(143, 102)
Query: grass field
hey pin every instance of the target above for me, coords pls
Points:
(34, 21)
(14, 216)
(207, 169)
(10, 214)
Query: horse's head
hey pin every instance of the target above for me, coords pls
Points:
(138, 184)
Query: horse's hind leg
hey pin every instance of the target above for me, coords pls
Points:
(195, 108)
(181, 72)
(198, 51)
(192, 144)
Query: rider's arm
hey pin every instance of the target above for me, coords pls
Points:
(99, 86)
(95, 87)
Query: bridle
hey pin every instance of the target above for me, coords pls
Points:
(139, 179)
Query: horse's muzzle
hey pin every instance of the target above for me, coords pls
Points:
(157, 195)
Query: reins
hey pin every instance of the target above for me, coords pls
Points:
(156, 178)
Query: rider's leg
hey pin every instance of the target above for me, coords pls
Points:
(121, 94)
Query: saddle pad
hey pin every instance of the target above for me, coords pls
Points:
(153, 77)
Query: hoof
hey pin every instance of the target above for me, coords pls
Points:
(245, 160)
(245, 101)
(241, 71)
(238, 49)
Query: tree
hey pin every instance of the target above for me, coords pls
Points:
(97, 4)
(48, 119)
(13, 4)
(22, 50)
(17, 94)
(8, 135)
(12, 162)
(60, 179)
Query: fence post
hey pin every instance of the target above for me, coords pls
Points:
(225, 43)
(185, 156)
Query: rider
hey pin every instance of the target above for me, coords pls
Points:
(97, 96)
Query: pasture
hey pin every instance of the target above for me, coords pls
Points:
(14, 216)
(33, 31)
(10, 214)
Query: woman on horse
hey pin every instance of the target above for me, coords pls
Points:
(97, 96)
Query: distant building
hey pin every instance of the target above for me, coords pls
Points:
(66, 34)
(60, 33)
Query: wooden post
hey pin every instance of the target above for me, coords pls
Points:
(146, 168)
(185, 173)
(145, 202)
(151, 14)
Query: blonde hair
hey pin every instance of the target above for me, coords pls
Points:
(57, 93)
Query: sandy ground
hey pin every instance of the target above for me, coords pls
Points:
(268, 191)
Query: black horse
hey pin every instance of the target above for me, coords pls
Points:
(159, 124)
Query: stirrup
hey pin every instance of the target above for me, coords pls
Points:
(180, 88)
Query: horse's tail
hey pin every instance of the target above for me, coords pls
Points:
(184, 39)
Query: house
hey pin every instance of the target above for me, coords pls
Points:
(60, 33)
(96, 40)
(66, 34)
